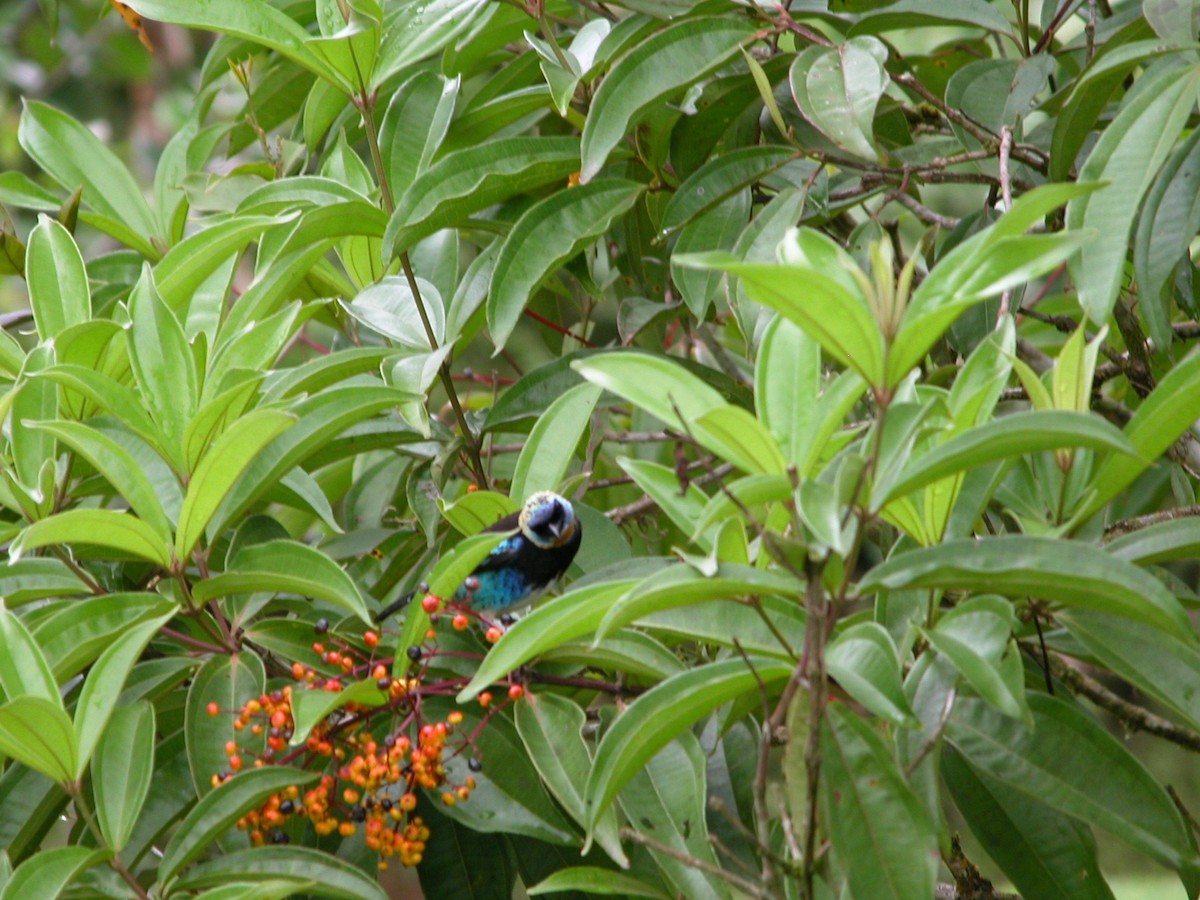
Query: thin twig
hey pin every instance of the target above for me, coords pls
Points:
(622, 513)
(1128, 526)
(742, 884)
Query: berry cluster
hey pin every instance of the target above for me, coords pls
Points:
(372, 774)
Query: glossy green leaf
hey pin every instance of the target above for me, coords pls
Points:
(454, 567)
(230, 682)
(473, 512)
(1046, 854)
(654, 70)
(551, 728)
(23, 667)
(683, 585)
(330, 876)
(715, 230)
(593, 880)
(1003, 438)
(77, 632)
(105, 528)
(120, 469)
(286, 567)
(103, 685)
(220, 469)
(1169, 219)
(1159, 110)
(36, 578)
(1158, 665)
(838, 89)
(818, 299)
(658, 716)
(468, 181)
(562, 619)
(718, 180)
(218, 810)
(253, 20)
(787, 379)
(864, 661)
(406, 150)
(389, 307)
(70, 154)
(37, 733)
(58, 285)
(162, 359)
(547, 235)
(551, 444)
(658, 385)
(878, 826)
(1158, 422)
(1070, 763)
(122, 769)
(1159, 542)
(309, 708)
(418, 29)
(48, 873)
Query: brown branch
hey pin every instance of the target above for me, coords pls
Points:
(1128, 526)
(1131, 716)
(742, 884)
(622, 513)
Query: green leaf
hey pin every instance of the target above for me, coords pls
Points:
(58, 285)
(838, 89)
(1158, 109)
(309, 708)
(162, 360)
(47, 874)
(192, 260)
(658, 716)
(814, 295)
(594, 880)
(1158, 422)
(864, 661)
(1046, 854)
(37, 578)
(253, 20)
(787, 380)
(1156, 664)
(218, 810)
(683, 585)
(1069, 572)
(1003, 438)
(105, 528)
(406, 150)
(389, 307)
(569, 616)
(469, 181)
(24, 670)
(1159, 542)
(551, 444)
(880, 831)
(230, 682)
(75, 633)
(331, 877)
(122, 769)
(68, 152)
(986, 678)
(418, 29)
(683, 508)
(548, 234)
(103, 686)
(718, 180)
(219, 470)
(657, 384)
(738, 437)
(454, 567)
(36, 732)
(473, 512)
(551, 728)
(654, 70)
(1070, 763)
(285, 567)
(121, 470)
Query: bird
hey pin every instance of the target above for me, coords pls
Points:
(547, 537)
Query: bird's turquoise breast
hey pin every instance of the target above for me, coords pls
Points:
(497, 590)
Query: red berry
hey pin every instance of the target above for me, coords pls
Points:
(431, 604)
(516, 692)
(213, 709)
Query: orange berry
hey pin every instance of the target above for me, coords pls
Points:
(431, 604)
(346, 829)
(298, 671)
(493, 634)
(230, 748)
(455, 717)
(485, 699)
(448, 798)
(371, 639)
(460, 622)
(235, 763)
(516, 692)
(408, 802)
(213, 709)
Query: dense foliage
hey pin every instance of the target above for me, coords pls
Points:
(857, 332)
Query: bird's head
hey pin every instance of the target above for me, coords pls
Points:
(547, 520)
